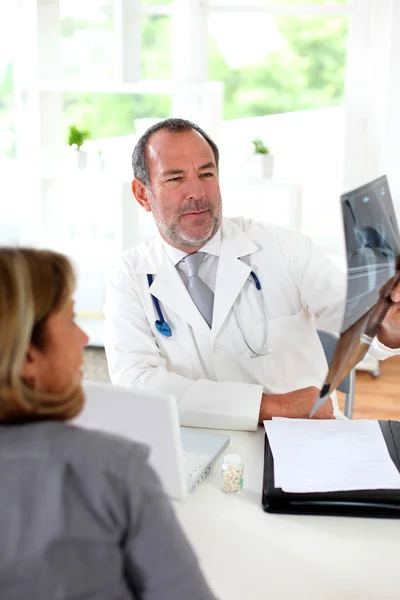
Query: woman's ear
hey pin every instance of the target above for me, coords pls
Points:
(140, 192)
(31, 368)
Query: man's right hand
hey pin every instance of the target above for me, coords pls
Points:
(295, 405)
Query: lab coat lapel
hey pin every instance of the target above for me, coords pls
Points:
(232, 273)
(169, 288)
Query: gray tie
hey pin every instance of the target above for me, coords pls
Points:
(199, 291)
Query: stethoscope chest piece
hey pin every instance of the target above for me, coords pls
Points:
(163, 328)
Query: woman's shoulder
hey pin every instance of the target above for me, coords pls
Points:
(97, 445)
(79, 447)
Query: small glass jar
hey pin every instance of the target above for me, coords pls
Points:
(232, 474)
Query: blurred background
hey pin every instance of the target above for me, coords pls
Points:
(317, 82)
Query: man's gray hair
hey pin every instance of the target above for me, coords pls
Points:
(139, 163)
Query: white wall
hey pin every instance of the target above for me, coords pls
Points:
(373, 95)
(309, 151)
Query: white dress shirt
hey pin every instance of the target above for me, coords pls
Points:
(208, 266)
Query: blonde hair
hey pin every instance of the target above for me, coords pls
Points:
(33, 285)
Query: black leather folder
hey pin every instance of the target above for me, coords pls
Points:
(362, 503)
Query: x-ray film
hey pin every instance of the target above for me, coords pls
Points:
(373, 270)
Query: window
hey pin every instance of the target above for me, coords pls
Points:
(86, 44)
(7, 124)
(156, 47)
(111, 115)
(90, 34)
(155, 2)
(7, 115)
(283, 63)
(277, 3)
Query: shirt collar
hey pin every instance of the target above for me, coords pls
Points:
(213, 247)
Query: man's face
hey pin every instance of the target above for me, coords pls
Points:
(184, 194)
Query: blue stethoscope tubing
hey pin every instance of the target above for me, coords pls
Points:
(163, 327)
(161, 324)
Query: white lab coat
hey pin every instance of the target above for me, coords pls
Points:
(216, 381)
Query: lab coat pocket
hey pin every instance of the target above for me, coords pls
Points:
(289, 330)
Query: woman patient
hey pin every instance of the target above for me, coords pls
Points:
(82, 514)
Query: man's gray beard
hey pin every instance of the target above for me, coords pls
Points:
(178, 237)
(171, 232)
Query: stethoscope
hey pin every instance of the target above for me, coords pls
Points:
(163, 327)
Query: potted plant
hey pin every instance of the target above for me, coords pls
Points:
(76, 138)
(261, 161)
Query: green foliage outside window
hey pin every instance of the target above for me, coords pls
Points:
(7, 147)
(109, 115)
(307, 73)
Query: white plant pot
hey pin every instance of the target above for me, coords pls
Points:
(81, 159)
(261, 166)
(101, 163)
(78, 159)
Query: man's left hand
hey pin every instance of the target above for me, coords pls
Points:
(389, 331)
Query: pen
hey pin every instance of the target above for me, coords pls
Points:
(323, 397)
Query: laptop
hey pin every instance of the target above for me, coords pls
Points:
(181, 456)
(373, 270)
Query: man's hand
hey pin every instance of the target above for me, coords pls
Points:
(296, 405)
(389, 331)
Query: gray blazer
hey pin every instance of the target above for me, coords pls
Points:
(83, 517)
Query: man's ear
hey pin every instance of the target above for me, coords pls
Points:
(31, 367)
(140, 192)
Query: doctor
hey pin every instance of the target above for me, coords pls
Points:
(240, 345)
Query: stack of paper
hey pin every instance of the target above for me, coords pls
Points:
(313, 455)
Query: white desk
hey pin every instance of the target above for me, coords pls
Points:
(247, 554)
